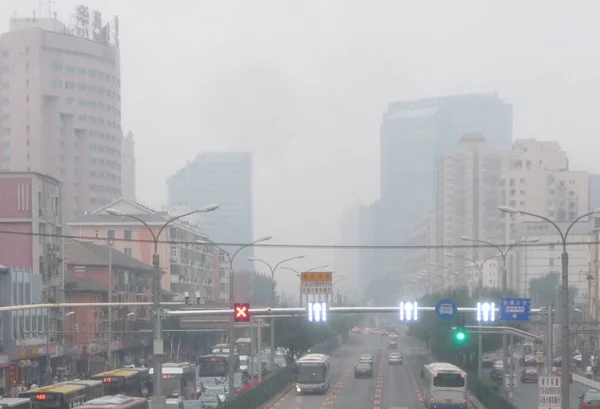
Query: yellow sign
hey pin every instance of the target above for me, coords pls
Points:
(316, 276)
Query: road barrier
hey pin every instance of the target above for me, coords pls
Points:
(274, 383)
(486, 395)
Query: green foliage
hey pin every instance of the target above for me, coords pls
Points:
(439, 336)
(544, 289)
(262, 289)
(298, 335)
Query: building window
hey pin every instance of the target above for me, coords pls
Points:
(127, 234)
(57, 84)
(70, 69)
(81, 87)
(110, 234)
(81, 71)
(5, 101)
(69, 85)
(5, 69)
(57, 67)
(128, 251)
(70, 101)
(5, 54)
(5, 85)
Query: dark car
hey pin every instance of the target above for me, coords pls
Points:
(528, 360)
(392, 345)
(529, 374)
(363, 370)
(558, 372)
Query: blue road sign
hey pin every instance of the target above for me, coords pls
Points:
(446, 309)
(515, 309)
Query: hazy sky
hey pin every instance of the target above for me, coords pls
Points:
(303, 85)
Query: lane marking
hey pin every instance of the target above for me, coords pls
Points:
(379, 382)
(416, 386)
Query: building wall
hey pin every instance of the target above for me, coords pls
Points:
(128, 166)
(224, 178)
(467, 198)
(347, 261)
(60, 105)
(534, 261)
(419, 260)
(86, 325)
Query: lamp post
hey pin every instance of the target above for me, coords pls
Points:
(564, 293)
(300, 277)
(158, 400)
(273, 297)
(479, 267)
(231, 332)
(504, 250)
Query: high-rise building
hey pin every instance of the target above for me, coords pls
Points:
(347, 261)
(60, 106)
(224, 178)
(128, 166)
(467, 197)
(537, 179)
(413, 135)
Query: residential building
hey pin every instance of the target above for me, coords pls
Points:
(594, 192)
(420, 258)
(185, 253)
(128, 166)
(544, 257)
(489, 272)
(27, 333)
(537, 179)
(224, 178)
(347, 261)
(467, 199)
(60, 107)
(221, 276)
(97, 268)
(414, 134)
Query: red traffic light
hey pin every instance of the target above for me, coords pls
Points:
(241, 312)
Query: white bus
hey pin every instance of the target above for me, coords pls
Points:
(311, 373)
(178, 380)
(15, 403)
(445, 386)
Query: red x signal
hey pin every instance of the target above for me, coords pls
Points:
(241, 312)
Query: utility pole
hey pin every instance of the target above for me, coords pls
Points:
(549, 339)
(109, 361)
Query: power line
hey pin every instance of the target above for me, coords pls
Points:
(303, 245)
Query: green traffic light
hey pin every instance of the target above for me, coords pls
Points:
(460, 336)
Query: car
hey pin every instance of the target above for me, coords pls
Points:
(392, 345)
(529, 374)
(528, 360)
(363, 370)
(488, 360)
(590, 400)
(497, 372)
(368, 358)
(395, 358)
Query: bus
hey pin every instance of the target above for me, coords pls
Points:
(220, 349)
(125, 381)
(311, 373)
(243, 346)
(64, 395)
(15, 403)
(178, 380)
(444, 385)
(213, 366)
(116, 402)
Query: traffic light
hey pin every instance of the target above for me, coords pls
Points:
(408, 311)
(317, 311)
(241, 312)
(460, 335)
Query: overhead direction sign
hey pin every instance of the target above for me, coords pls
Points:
(515, 309)
(314, 282)
(549, 392)
(446, 309)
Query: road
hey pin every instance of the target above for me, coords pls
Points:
(392, 386)
(525, 394)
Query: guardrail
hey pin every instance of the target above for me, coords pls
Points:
(587, 382)
(274, 383)
(486, 395)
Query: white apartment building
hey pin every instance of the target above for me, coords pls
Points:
(491, 271)
(537, 179)
(420, 235)
(542, 258)
(467, 198)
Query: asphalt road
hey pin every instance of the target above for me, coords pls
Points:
(525, 394)
(392, 386)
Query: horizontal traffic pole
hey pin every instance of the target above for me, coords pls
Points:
(89, 304)
(489, 329)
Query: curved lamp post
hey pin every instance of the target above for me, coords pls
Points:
(158, 398)
(564, 292)
(273, 268)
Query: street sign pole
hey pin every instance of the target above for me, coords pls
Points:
(550, 392)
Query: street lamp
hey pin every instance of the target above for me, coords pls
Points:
(479, 267)
(273, 298)
(158, 400)
(300, 277)
(564, 292)
(504, 250)
(231, 333)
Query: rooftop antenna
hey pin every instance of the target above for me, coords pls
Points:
(50, 3)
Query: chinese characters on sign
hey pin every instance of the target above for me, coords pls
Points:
(549, 392)
(317, 283)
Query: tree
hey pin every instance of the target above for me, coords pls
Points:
(262, 289)
(544, 289)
